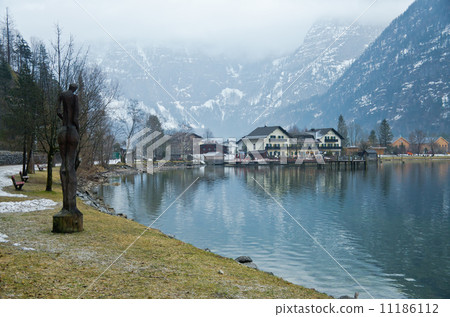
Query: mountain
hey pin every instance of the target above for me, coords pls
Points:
(227, 95)
(328, 49)
(402, 76)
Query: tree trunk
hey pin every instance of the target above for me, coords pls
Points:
(68, 222)
(30, 161)
(24, 156)
(48, 188)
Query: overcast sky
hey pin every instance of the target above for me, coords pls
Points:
(251, 27)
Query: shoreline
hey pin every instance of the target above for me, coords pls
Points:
(51, 265)
(413, 158)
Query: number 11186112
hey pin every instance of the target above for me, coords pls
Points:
(409, 308)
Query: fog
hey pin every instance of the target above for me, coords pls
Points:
(253, 28)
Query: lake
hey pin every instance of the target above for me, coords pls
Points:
(388, 226)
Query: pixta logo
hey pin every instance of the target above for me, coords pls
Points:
(143, 148)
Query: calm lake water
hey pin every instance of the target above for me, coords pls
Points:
(388, 226)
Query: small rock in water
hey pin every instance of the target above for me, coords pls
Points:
(348, 297)
(243, 259)
(251, 265)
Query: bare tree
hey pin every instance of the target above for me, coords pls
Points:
(364, 145)
(294, 130)
(208, 134)
(95, 96)
(182, 139)
(354, 133)
(132, 124)
(9, 36)
(47, 120)
(417, 139)
(57, 72)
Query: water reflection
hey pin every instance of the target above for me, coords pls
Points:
(388, 226)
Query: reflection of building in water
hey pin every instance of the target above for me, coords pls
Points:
(281, 180)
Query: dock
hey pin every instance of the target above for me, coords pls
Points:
(317, 163)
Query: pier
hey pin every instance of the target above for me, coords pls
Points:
(320, 164)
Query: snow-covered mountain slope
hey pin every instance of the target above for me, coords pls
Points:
(403, 76)
(227, 95)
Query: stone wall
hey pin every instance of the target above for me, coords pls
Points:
(10, 158)
(15, 158)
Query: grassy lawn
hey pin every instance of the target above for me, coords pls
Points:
(156, 266)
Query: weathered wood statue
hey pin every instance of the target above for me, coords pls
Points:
(69, 219)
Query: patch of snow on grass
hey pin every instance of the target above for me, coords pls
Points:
(3, 238)
(5, 178)
(27, 205)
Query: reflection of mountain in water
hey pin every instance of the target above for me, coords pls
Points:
(405, 228)
(388, 226)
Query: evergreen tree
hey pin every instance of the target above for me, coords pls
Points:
(6, 126)
(373, 138)
(384, 133)
(154, 124)
(25, 97)
(343, 130)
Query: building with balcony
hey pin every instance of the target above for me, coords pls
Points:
(276, 142)
(329, 140)
(271, 141)
(303, 144)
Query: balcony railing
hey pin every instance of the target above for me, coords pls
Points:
(292, 147)
(273, 140)
(331, 140)
(329, 147)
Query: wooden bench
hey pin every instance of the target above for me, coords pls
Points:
(23, 177)
(17, 185)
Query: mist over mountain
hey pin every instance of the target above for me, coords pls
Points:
(226, 94)
(403, 76)
(367, 73)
